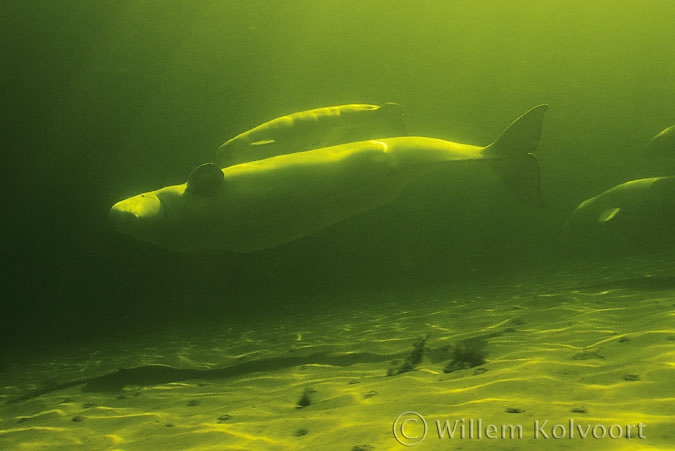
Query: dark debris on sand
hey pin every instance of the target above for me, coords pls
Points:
(413, 359)
(467, 354)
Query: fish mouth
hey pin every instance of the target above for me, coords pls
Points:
(127, 215)
(120, 219)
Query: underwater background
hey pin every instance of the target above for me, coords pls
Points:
(106, 100)
(103, 100)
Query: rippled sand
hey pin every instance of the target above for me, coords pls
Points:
(598, 353)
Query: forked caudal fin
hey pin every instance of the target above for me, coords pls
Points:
(512, 157)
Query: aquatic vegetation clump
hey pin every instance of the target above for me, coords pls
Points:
(467, 354)
(413, 359)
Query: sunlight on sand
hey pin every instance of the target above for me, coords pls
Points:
(559, 361)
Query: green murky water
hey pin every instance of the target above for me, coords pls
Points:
(104, 100)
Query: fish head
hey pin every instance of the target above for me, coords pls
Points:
(137, 216)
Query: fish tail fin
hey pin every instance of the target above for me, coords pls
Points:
(512, 159)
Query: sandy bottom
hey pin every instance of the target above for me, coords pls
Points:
(563, 361)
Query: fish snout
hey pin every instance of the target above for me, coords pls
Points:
(126, 214)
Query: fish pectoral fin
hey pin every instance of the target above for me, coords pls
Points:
(263, 142)
(608, 215)
(205, 179)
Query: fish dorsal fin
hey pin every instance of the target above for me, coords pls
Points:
(205, 180)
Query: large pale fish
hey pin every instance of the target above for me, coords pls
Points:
(265, 203)
(636, 208)
(312, 129)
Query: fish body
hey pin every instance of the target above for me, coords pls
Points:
(264, 203)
